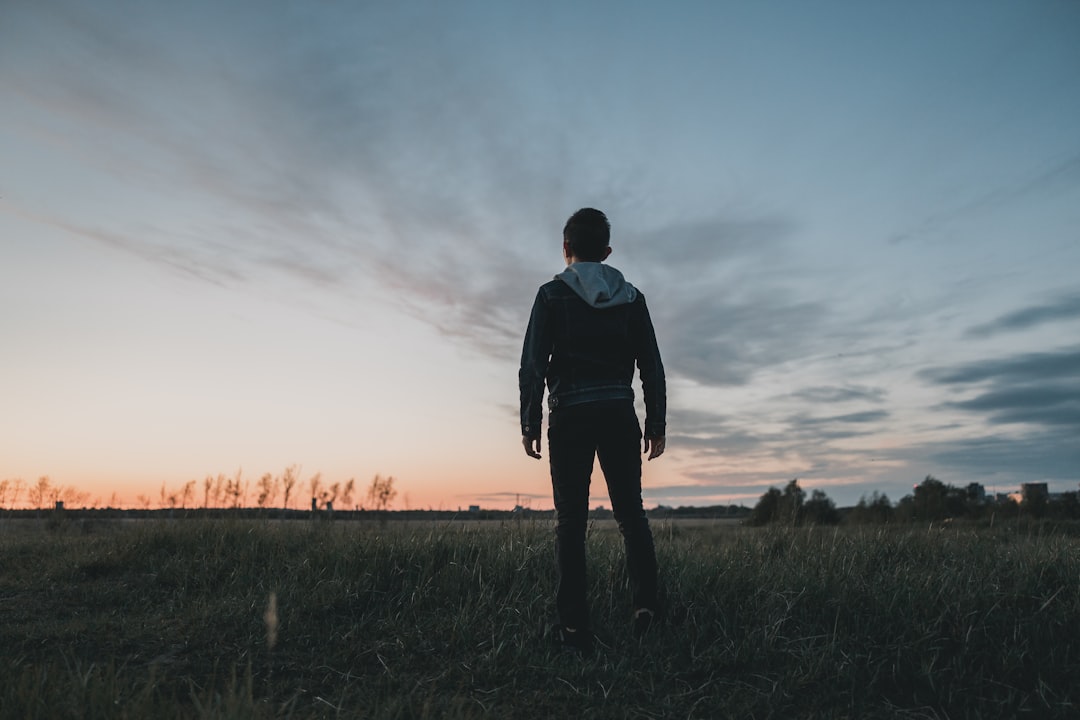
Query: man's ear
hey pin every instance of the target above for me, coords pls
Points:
(607, 252)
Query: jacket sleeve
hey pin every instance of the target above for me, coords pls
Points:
(651, 368)
(535, 355)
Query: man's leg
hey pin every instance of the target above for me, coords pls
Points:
(619, 451)
(571, 448)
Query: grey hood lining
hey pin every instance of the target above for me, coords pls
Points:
(600, 285)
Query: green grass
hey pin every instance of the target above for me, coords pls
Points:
(166, 619)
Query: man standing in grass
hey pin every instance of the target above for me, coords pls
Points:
(587, 330)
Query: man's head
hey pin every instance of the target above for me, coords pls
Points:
(587, 236)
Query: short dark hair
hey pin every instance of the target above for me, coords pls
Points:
(588, 233)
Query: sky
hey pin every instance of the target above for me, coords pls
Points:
(237, 237)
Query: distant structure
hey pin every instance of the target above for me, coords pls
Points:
(976, 492)
(474, 509)
(1035, 492)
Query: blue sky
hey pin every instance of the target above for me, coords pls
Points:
(261, 234)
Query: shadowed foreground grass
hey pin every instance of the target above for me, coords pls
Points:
(166, 619)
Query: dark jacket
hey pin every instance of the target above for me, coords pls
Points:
(587, 330)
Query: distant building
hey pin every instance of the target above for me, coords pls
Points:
(474, 509)
(1035, 492)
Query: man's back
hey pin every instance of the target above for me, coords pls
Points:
(584, 342)
(587, 330)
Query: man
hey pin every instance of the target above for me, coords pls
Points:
(587, 330)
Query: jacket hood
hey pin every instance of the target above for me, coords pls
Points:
(602, 286)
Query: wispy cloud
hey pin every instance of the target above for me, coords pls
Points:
(839, 394)
(1047, 404)
(1064, 308)
(867, 416)
(1038, 367)
(1047, 455)
(1038, 392)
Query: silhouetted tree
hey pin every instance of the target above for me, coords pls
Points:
(876, 509)
(187, 495)
(13, 488)
(791, 503)
(288, 480)
(930, 499)
(314, 484)
(767, 509)
(381, 493)
(347, 493)
(267, 490)
(39, 493)
(820, 510)
(219, 489)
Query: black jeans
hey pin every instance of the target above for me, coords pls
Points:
(610, 431)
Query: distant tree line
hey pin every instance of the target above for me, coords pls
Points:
(931, 501)
(236, 492)
(790, 506)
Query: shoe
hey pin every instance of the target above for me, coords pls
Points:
(643, 621)
(566, 638)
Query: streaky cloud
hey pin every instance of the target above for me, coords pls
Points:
(827, 394)
(1044, 455)
(857, 417)
(1025, 367)
(1065, 308)
(1032, 388)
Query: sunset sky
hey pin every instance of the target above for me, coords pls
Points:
(249, 235)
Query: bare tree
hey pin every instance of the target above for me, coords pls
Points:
(219, 490)
(16, 490)
(347, 493)
(288, 480)
(236, 489)
(241, 489)
(187, 494)
(39, 493)
(381, 492)
(71, 497)
(268, 485)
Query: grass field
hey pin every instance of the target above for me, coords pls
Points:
(169, 619)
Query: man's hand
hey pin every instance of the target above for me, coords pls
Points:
(654, 446)
(532, 446)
